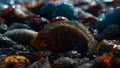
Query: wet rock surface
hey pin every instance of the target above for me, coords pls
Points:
(59, 35)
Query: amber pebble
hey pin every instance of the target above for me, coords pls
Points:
(17, 61)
